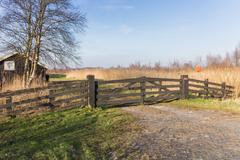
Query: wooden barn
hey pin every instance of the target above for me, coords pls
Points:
(12, 68)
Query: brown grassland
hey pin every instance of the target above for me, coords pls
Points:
(230, 75)
(17, 84)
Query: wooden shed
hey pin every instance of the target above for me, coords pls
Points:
(12, 68)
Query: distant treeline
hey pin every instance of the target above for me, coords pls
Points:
(211, 60)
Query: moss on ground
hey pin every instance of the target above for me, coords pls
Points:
(73, 134)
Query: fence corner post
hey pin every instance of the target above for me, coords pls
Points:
(184, 87)
(91, 91)
(9, 106)
(143, 89)
(223, 90)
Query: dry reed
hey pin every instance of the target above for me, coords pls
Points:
(230, 75)
(17, 84)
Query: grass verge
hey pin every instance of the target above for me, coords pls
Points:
(73, 134)
(210, 104)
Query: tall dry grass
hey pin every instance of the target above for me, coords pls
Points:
(230, 75)
(17, 84)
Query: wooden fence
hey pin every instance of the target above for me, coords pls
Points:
(92, 92)
(146, 90)
(57, 95)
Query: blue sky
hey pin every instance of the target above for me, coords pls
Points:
(121, 32)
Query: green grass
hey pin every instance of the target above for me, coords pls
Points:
(73, 134)
(57, 76)
(210, 104)
(60, 79)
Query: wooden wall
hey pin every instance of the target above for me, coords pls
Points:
(7, 77)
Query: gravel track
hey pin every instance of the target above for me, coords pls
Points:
(174, 133)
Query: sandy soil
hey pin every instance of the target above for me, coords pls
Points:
(174, 133)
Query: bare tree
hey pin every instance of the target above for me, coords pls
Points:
(188, 65)
(136, 65)
(213, 60)
(175, 65)
(236, 57)
(157, 65)
(41, 30)
(227, 60)
(198, 61)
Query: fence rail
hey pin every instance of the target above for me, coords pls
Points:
(92, 92)
(153, 90)
(57, 95)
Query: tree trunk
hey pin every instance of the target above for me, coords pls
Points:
(29, 46)
(38, 36)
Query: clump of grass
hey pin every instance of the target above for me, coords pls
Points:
(210, 104)
(73, 134)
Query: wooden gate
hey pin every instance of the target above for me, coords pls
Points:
(142, 90)
(146, 90)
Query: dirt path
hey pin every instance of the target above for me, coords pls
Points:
(173, 133)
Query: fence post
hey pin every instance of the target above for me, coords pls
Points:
(9, 106)
(206, 88)
(143, 89)
(51, 99)
(224, 90)
(91, 91)
(184, 87)
(160, 86)
(96, 92)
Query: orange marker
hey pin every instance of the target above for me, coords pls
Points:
(198, 68)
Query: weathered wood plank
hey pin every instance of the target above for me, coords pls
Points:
(110, 96)
(26, 101)
(210, 83)
(118, 89)
(62, 86)
(36, 107)
(66, 82)
(119, 102)
(196, 81)
(69, 99)
(214, 84)
(164, 92)
(32, 90)
(216, 89)
(161, 98)
(163, 86)
(24, 91)
(153, 83)
(71, 105)
(148, 79)
(231, 87)
(110, 90)
(71, 91)
(121, 81)
(196, 86)
(198, 91)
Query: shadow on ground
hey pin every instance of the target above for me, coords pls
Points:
(73, 134)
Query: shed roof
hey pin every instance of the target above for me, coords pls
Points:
(2, 58)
